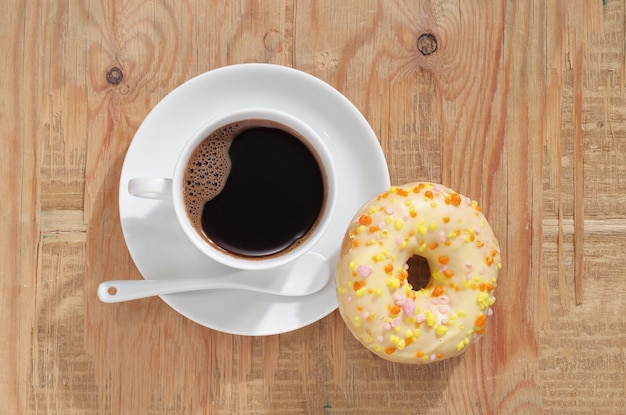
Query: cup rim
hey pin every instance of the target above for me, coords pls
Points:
(326, 164)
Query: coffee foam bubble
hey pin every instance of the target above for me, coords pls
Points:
(207, 170)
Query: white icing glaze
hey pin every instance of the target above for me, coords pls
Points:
(377, 302)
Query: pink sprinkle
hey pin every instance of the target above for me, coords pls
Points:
(468, 201)
(442, 236)
(364, 270)
(444, 299)
(396, 322)
(445, 321)
(469, 266)
(433, 357)
(380, 339)
(420, 318)
(406, 266)
(398, 240)
(468, 276)
(382, 225)
(444, 309)
(477, 230)
(409, 308)
(481, 270)
(435, 301)
(389, 210)
(437, 188)
(387, 326)
(349, 298)
(489, 312)
(365, 314)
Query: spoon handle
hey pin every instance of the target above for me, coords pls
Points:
(116, 291)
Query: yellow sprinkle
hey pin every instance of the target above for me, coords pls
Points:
(441, 330)
(432, 225)
(430, 318)
(342, 290)
(461, 313)
(361, 291)
(398, 224)
(393, 283)
(352, 265)
(394, 339)
(421, 229)
(388, 220)
(373, 209)
(377, 348)
(460, 346)
(483, 300)
(379, 257)
(397, 329)
(384, 233)
(360, 229)
(401, 344)
(433, 205)
(416, 334)
(436, 275)
(378, 292)
(461, 326)
(408, 334)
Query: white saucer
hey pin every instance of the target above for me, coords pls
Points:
(158, 245)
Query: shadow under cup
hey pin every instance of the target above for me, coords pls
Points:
(257, 189)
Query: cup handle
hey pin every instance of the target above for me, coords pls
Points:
(150, 188)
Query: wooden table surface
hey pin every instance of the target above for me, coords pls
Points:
(522, 106)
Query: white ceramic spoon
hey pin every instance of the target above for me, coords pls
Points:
(307, 275)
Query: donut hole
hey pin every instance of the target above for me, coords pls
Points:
(419, 272)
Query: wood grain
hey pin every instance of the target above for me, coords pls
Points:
(522, 106)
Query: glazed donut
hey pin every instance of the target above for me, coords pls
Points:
(376, 300)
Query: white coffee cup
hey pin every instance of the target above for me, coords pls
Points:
(173, 188)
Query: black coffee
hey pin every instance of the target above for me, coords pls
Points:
(253, 188)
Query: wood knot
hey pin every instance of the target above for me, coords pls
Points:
(115, 75)
(427, 43)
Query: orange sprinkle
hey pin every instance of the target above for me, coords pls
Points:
(358, 285)
(443, 260)
(419, 353)
(489, 260)
(365, 220)
(480, 243)
(481, 320)
(408, 341)
(388, 268)
(455, 199)
(439, 356)
(494, 252)
(356, 243)
(433, 245)
(401, 192)
(428, 194)
(402, 274)
(390, 349)
(359, 307)
(374, 228)
(447, 242)
(385, 195)
(395, 310)
(438, 291)
(447, 273)
(418, 188)
(446, 219)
